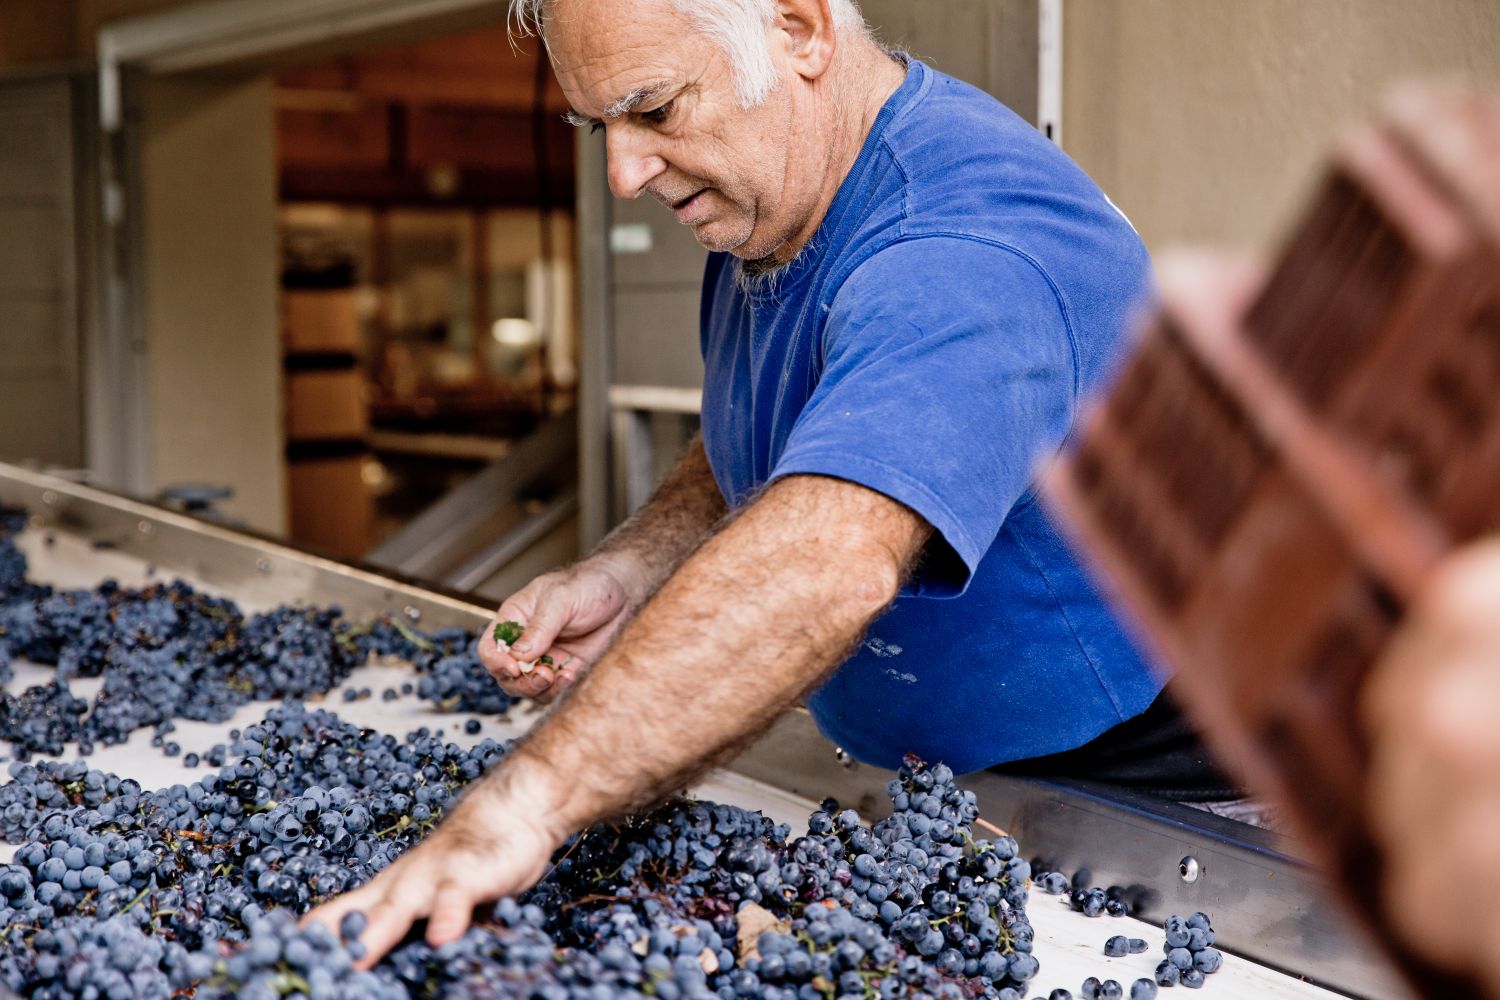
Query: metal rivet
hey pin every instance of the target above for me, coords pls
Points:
(840, 755)
(263, 564)
(145, 528)
(49, 497)
(1190, 869)
(413, 612)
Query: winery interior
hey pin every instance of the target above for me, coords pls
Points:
(327, 332)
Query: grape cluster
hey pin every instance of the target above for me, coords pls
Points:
(1190, 952)
(167, 651)
(278, 958)
(120, 892)
(459, 683)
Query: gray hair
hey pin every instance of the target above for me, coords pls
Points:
(738, 27)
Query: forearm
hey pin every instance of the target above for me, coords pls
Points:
(754, 618)
(654, 541)
(752, 621)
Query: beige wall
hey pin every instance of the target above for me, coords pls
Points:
(1205, 120)
(211, 291)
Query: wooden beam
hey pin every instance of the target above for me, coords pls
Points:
(414, 188)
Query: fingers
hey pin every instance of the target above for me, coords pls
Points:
(483, 850)
(1428, 712)
(1453, 623)
(543, 608)
(332, 912)
(391, 918)
(528, 685)
(391, 905)
(554, 609)
(1456, 130)
(566, 676)
(519, 607)
(394, 902)
(452, 911)
(546, 684)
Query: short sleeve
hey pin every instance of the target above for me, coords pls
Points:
(948, 371)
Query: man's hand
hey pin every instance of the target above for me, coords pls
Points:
(479, 853)
(1434, 796)
(569, 616)
(573, 615)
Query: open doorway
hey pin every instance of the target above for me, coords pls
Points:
(428, 313)
(345, 250)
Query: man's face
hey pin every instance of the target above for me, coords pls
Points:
(673, 126)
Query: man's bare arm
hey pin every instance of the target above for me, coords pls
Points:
(765, 610)
(754, 619)
(682, 510)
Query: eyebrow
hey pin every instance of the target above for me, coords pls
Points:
(625, 105)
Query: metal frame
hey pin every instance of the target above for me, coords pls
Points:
(1049, 89)
(595, 340)
(205, 35)
(631, 409)
(118, 430)
(1270, 907)
(247, 565)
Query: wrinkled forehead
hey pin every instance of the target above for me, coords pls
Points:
(605, 51)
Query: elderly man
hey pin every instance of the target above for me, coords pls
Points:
(909, 291)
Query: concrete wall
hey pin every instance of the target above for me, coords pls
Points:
(41, 290)
(1206, 121)
(989, 43)
(211, 295)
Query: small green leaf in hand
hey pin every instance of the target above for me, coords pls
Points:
(507, 632)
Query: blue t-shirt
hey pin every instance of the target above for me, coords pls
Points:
(968, 284)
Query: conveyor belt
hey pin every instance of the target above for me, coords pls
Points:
(1265, 905)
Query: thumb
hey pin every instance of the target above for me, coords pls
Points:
(554, 609)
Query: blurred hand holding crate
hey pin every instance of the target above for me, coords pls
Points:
(1289, 454)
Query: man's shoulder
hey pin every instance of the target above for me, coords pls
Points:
(970, 166)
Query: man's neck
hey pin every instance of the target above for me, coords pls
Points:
(860, 82)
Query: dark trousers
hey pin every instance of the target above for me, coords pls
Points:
(1156, 753)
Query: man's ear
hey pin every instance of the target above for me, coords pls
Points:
(806, 29)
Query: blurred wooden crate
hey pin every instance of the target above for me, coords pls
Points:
(323, 405)
(1285, 458)
(320, 321)
(331, 507)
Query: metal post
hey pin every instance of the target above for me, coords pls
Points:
(596, 361)
(1049, 68)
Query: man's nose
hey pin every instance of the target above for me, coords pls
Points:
(632, 162)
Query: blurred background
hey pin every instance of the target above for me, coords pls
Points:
(337, 271)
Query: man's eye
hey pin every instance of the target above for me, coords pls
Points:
(658, 116)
